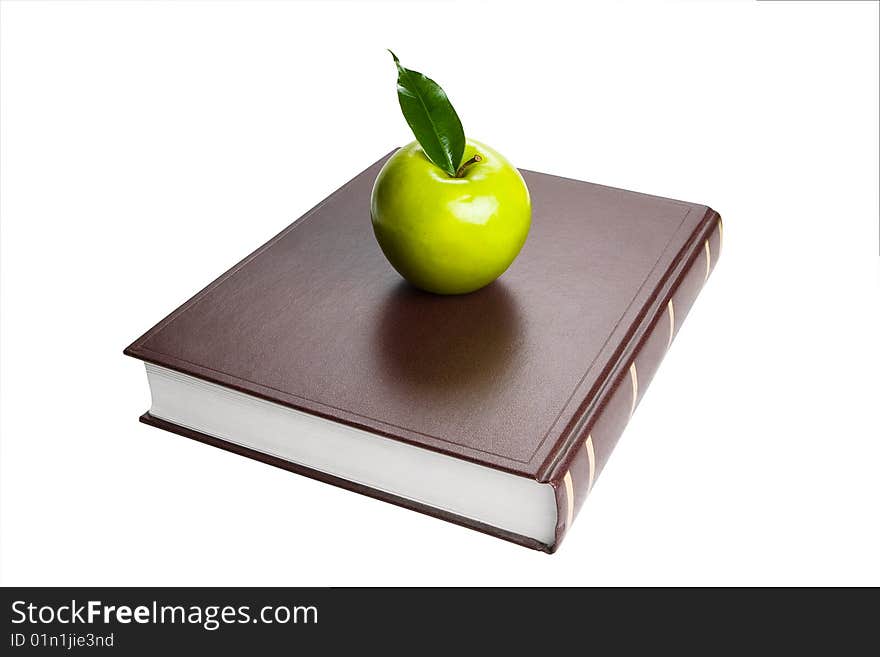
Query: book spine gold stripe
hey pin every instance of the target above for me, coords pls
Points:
(708, 261)
(634, 377)
(670, 310)
(591, 461)
(569, 498)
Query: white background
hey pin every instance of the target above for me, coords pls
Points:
(146, 147)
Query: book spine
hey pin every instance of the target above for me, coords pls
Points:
(578, 472)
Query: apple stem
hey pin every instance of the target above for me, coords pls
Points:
(476, 158)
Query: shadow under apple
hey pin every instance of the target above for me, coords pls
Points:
(448, 345)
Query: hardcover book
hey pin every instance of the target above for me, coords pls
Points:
(496, 410)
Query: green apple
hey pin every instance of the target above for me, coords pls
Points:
(450, 234)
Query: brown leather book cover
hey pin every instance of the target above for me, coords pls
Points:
(536, 374)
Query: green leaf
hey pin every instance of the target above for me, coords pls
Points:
(431, 117)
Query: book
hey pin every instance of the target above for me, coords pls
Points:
(496, 410)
